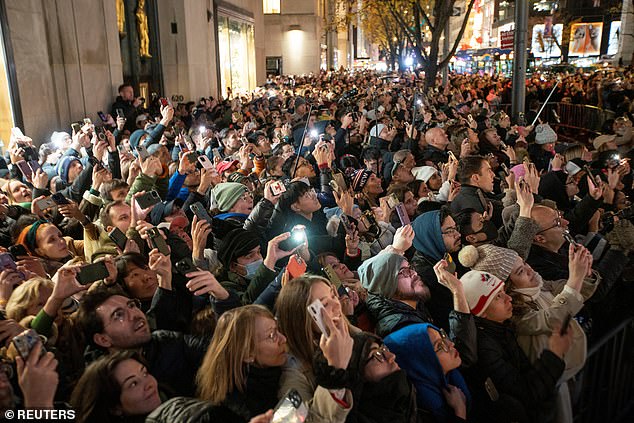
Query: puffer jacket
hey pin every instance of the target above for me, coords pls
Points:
(182, 409)
(505, 369)
(391, 315)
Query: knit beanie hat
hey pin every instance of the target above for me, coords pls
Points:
(428, 235)
(237, 243)
(379, 274)
(360, 178)
(489, 258)
(135, 137)
(544, 134)
(480, 288)
(63, 165)
(227, 193)
(424, 173)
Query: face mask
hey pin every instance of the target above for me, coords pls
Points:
(251, 268)
(489, 230)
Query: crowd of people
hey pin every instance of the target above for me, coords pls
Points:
(339, 247)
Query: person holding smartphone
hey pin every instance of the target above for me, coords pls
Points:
(538, 305)
(506, 385)
(250, 336)
(126, 105)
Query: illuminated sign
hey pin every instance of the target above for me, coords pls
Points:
(546, 42)
(585, 39)
(615, 38)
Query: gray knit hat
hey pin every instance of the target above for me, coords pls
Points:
(544, 134)
(488, 258)
(379, 274)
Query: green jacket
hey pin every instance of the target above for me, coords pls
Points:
(249, 291)
(149, 183)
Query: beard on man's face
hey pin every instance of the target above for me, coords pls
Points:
(412, 294)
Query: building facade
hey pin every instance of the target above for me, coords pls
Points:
(63, 60)
(294, 34)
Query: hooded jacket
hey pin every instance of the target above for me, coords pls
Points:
(390, 400)
(415, 354)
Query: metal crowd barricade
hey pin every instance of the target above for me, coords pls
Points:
(574, 116)
(607, 393)
(583, 116)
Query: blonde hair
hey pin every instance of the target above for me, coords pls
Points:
(233, 344)
(293, 319)
(25, 296)
(6, 188)
(574, 152)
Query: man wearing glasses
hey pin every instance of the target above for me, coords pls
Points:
(546, 259)
(112, 322)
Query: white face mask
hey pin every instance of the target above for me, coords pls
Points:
(252, 268)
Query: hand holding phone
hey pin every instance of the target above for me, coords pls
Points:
(119, 238)
(25, 342)
(290, 409)
(336, 281)
(157, 241)
(315, 310)
(277, 188)
(148, 199)
(92, 272)
(565, 325)
(201, 213)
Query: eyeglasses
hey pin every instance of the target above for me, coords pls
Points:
(311, 193)
(407, 272)
(453, 230)
(443, 343)
(120, 315)
(379, 355)
(274, 336)
(556, 225)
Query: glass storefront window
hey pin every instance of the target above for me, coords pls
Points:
(271, 6)
(236, 53)
(6, 110)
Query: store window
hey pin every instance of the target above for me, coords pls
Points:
(236, 50)
(271, 6)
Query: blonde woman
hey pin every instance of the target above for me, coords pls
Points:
(28, 298)
(241, 371)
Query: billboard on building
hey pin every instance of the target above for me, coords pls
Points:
(615, 38)
(546, 41)
(585, 39)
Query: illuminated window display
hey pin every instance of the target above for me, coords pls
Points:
(236, 51)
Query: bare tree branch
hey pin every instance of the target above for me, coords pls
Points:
(446, 60)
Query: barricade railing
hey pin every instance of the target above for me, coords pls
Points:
(579, 116)
(607, 392)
